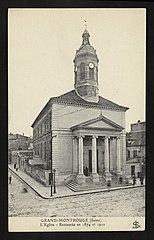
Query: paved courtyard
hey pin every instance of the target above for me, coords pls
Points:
(119, 203)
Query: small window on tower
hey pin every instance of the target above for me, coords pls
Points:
(91, 73)
(82, 70)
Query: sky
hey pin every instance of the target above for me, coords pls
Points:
(41, 48)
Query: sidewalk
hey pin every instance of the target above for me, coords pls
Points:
(61, 191)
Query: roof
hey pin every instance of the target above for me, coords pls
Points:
(71, 98)
(136, 139)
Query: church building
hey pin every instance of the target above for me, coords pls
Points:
(79, 133)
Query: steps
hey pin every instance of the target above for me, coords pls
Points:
(73, 185)
(88, 185)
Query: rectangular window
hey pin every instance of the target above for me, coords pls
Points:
(128, 153)
(134, 153)
(50, 121)
(45, 150)
(45, 126)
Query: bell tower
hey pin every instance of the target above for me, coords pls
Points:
(86, 70)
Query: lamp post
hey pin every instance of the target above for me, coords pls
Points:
(54, 180)
(51, 164)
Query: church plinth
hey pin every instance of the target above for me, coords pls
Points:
(81, 178)
(95, 177)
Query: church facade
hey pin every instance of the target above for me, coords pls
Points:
(81, 134)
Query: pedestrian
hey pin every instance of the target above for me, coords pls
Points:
(16, 169)
(10, 179)
(120, 179)
(15, 165)
(86, 171)
(24, 189)
(127, 182)
(109, 185)
(134, 179)
(141, 179)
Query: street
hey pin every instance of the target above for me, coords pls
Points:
(119, 203)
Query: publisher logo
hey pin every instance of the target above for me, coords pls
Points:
(136, 224)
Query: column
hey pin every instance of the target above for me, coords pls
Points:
(106, 155)
(114, 154)
(107, 171)
(74, 155)
(94, 155)
(111, 154)
(94, 160)
(80, 176)
(118, 157)
(81, 155)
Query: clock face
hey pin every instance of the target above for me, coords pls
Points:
(91, 65)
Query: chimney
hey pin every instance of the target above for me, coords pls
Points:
(23, 134)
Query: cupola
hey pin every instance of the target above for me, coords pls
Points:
(86, 70)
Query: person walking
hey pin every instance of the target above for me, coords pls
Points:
(134, 180)
(10, 179)
(109, 185)
(141, 179)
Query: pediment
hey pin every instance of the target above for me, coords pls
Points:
(100, 122)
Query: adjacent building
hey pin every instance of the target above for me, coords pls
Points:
(136, 145)
(80, 129)
(19, 142)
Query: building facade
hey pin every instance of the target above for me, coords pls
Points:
(81, 130)
(19, 142)
(136, 145)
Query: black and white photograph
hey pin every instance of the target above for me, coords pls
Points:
(76, 119)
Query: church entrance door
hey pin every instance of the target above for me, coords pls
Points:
(97, 163)
(90, 161)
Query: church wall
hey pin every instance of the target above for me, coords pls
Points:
(70, 116)
(65, 152)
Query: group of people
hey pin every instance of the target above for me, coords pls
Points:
(141, 177)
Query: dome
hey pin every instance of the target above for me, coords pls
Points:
(86, 48)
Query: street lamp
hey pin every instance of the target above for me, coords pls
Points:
(54, 180)
(51, 164)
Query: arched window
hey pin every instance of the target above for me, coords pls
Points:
(82, 70)
(91, 73)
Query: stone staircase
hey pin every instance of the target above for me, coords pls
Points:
(88, 185)
(73, 184)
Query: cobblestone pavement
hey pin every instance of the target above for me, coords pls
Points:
(120, 203)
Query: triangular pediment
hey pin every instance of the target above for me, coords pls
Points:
(100, 122)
